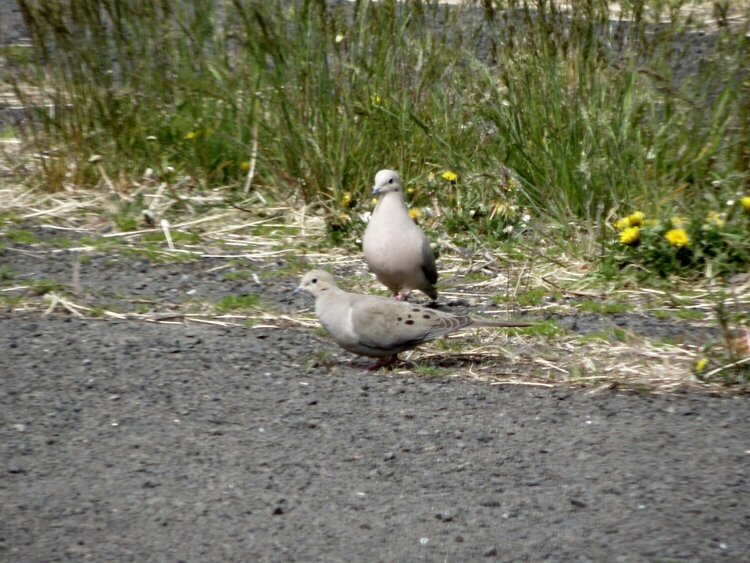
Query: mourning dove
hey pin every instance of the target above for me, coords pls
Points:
(379, 327)
(395, 248)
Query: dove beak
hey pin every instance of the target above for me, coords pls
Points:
(376, 190)
(296, 290)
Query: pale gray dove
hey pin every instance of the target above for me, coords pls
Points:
(379, 327)
(395, 248)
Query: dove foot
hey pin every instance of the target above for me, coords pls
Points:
(402, 296)
(384, 363)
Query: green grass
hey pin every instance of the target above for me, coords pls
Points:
(531, 298)
(611, 335)
(292, 267)
(177, 237)
(320, 332)
(273, 232)
(7, 132)
(10, 301)
(597, 336)
(690, 315)
(580, 119)
(9, 218)
(476, 277)
(17, 55)
(238, 303)
(430, 372)
(667, 341)
(44, 286)
(453, 344)
(661, 314)
(98, 311)
(7, 275)
(60, 242)
(21, 236)
(545, 330)
(158, 254)
(602, 308)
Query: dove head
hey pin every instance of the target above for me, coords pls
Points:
(317, 282)
(387, 181)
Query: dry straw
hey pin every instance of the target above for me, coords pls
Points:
(491, 356)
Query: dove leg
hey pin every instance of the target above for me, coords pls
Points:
(402, 296)
(384, 363)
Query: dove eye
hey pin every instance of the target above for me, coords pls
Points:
(314, 280)
(390, 181)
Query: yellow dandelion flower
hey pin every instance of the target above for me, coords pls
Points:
(374, 201)
(622, 224)
(714, 218)
(648, 223)
(700, 365)
(678, 222)
(745, 202)
(376, 100)
(449, 176)
(344, 218)
(631, 235)
(636, 218)
(410, 191)
(346, 200)
(415, 214)
(677, 237)
(245, 166)
(191, 135)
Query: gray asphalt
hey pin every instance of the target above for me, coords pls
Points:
(133, 441)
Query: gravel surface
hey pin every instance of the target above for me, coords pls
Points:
(126, 440)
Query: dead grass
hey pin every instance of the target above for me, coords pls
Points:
(630, 361)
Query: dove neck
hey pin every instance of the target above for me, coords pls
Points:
(326, 298)
(390, 201)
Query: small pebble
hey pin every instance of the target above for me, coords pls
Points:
(444, 516)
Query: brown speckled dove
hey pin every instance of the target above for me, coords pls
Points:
(395, 248)
(379, 327)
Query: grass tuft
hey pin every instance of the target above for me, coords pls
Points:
(601, 308)
(232, 303)
(21, 236)
(569, 112)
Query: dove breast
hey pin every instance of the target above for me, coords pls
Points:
(395, 248)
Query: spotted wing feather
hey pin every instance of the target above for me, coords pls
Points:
(389, 325)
